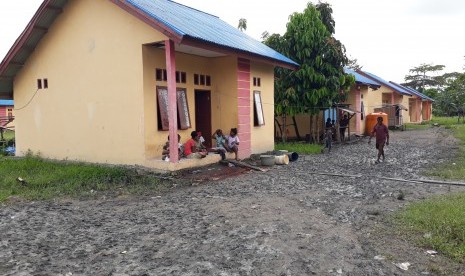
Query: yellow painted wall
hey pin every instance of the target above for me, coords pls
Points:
(223, 89)
(262, 136)
(92, 58)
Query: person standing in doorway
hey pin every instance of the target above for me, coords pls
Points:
(343, 125)
(381, 132)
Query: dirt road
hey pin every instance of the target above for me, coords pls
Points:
(286, 221)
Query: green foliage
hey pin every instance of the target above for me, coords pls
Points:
(48, 179)
(242, 24)
(301, 148)
(421, 77)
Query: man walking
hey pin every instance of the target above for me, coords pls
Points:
(381, 132)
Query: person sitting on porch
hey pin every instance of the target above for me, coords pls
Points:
(166, 149)
(191, 147)
(220, 143)
(343, 124)
(232, 142)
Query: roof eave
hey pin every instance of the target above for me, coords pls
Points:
(191, 41)
(166, 30)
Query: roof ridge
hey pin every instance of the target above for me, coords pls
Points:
(192, 8)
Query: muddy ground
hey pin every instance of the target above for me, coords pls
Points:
(286, 221)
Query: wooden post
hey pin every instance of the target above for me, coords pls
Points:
(172, 106)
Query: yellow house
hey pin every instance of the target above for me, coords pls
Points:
(107, 81)
(7, 114)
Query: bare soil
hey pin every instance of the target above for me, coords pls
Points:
(286, 221)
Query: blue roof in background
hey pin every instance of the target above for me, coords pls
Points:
(417, 93)
(193, 23)
(7, 103)
(362, 79)
(401, 90)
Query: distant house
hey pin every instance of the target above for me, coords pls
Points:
(6, 113)
(108, 82)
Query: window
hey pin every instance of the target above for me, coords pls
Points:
(45, 83)
(204, 80)
(257, 82)
(182, 108)
(180, 77)
(258, 117)
(160, 74)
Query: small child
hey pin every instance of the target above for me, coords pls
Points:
(232, 142)
(328, 139)
(220, 143)
(166, 149)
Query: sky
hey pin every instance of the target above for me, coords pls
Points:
(388, 38)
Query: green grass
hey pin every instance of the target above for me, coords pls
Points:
(438, 223)
(456, 168)
(301, 148)
(49, 179)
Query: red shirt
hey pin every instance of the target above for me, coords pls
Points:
(188, 146)
(381, 132)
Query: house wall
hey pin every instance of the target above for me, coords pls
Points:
(262, 136)
(92, 58)
(224, 99)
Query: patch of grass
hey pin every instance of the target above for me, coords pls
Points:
(456, 168)
(301, 148)
(438, 223)
(410, 126)
(45, 179)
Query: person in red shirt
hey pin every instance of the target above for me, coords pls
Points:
(381, 132)
(191, 149)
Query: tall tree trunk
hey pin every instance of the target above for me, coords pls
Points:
(310, 140)
(279, 127)
(284, 133)
(296, 128)
(318, 127)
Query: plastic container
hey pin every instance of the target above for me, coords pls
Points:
(372, 120)
(267, 160)
(293, 156)
(281, 159)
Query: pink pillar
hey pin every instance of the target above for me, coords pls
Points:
(244, 108)
(358, 107)
(172, 110)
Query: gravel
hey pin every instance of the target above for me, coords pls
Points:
(286, 221)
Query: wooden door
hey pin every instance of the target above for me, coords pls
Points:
(203, 115)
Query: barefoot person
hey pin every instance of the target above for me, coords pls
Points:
(192, 149)
(232, 142)
(380, 131)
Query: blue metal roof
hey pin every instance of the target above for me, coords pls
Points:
(419, 94)
(188, 22)
(388, 84)
(362, 79)
(7, 103)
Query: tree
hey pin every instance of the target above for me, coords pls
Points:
(242, 24)
(320, 79)
(353, 64)
(421, 77)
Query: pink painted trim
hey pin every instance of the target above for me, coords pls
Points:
(243, 84)
(243, 93)
(243, 102)
(244, 119)
(172, 110)
(244, 112)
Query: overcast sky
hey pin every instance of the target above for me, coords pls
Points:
(386, 37)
